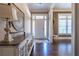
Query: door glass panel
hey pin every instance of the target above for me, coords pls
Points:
(45, 28)
(33, 27)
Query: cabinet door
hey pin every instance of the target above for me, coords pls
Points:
(30, 46)
(26, 50)
(22, 51)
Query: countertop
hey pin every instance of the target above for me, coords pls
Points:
(17, 40)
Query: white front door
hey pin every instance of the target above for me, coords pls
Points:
(39, 28)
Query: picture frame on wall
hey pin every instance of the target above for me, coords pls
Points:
(18, 25)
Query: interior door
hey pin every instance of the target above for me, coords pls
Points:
(39, 28)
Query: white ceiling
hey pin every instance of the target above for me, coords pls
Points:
(62, 6)
(44, 7)
(39, 7)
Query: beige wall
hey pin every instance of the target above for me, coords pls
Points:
(55, 25)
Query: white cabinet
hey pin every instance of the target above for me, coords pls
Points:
(24, 48)
(29, 45)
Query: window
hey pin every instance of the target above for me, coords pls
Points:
(39, 16)
(64, 23)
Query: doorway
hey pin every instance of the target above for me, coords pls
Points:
(39, 26)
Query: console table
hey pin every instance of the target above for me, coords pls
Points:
(20, 46)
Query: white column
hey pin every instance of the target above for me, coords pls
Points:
(51, 25)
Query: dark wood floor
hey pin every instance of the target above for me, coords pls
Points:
(58, 48)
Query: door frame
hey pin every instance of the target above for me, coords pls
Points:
(44, 19)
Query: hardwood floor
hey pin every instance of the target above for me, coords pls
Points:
(58, 48)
